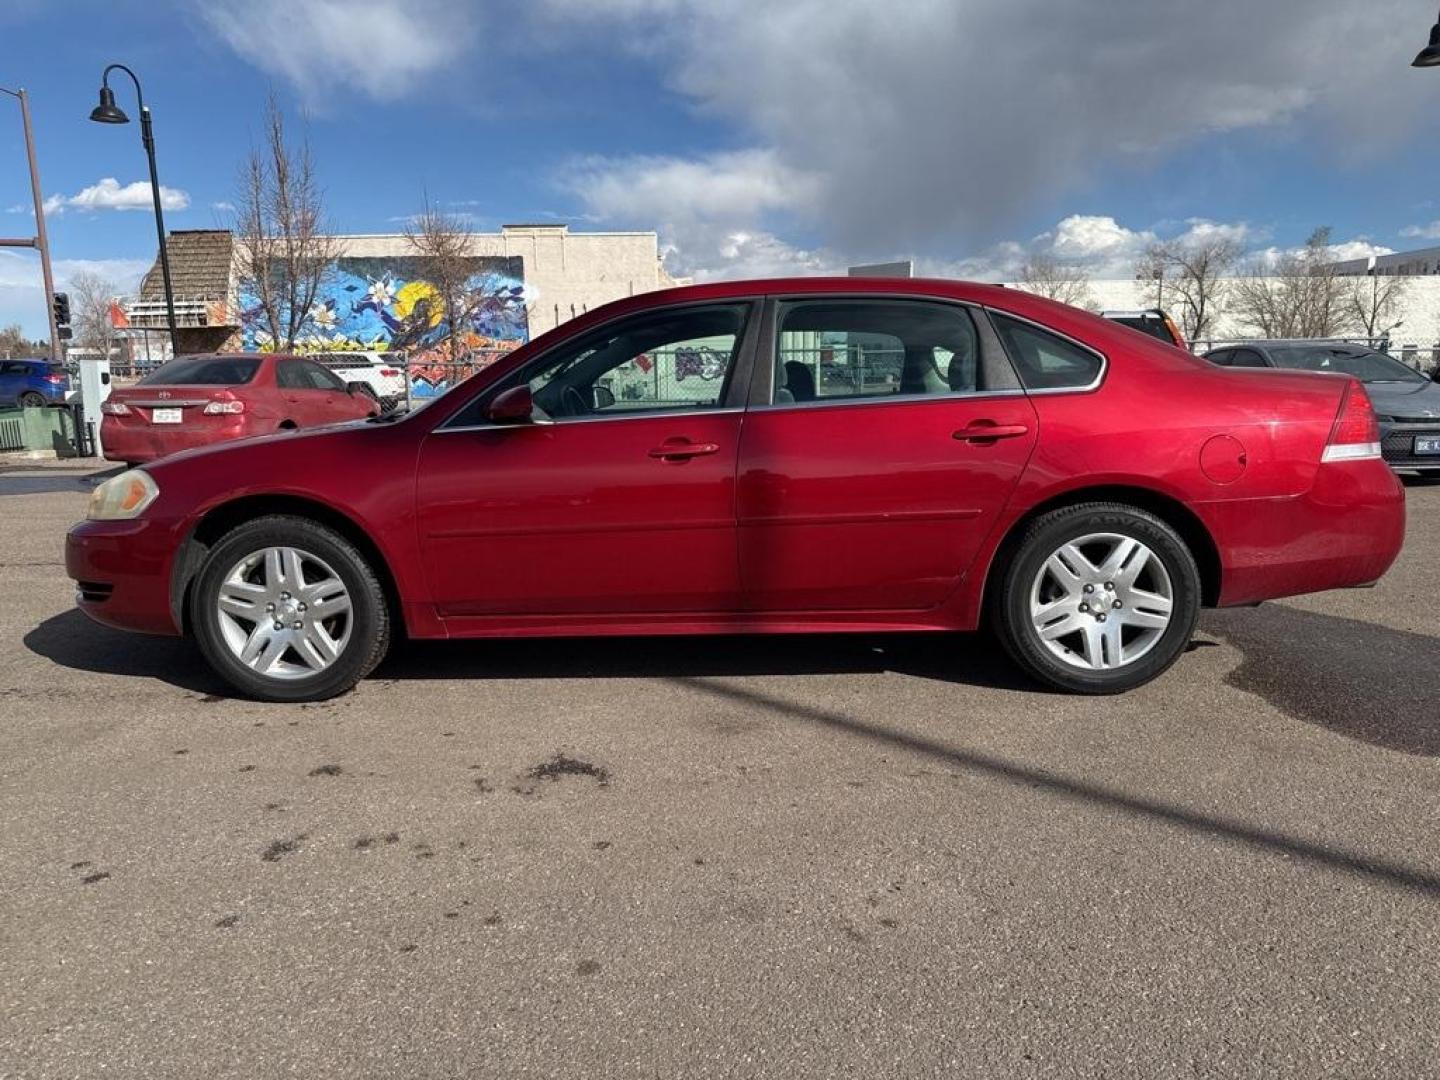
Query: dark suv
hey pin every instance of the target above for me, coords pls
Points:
(1151, 321)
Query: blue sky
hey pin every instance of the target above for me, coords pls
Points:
(758, 137)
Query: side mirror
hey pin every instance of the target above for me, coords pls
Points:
(604, 398)
(1435, 374)
(514, 406)
(357, 387)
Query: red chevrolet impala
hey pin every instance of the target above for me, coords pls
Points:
(767, 457)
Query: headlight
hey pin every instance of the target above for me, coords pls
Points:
(121, 497)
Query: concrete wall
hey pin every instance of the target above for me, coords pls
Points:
(1419, 309)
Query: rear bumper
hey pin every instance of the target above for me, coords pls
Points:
(122, 573)
(1344, 532)
(140, 441)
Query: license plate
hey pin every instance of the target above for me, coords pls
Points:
(1427, 444)
(166, 416)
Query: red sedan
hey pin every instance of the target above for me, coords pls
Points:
(199, 400)
(771, 456)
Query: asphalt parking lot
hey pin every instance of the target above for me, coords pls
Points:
(781, 857)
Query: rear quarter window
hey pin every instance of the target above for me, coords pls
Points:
(1046, 361)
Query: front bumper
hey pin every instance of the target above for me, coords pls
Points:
(1344, 532)
(1397, 445)
(122, 573)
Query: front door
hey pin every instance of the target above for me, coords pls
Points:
(618, 499)
(893, 436)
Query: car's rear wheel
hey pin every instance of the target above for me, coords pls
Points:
(1098, 598)
(285, 609)
(32, 400)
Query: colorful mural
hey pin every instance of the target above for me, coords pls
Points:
(386, 304)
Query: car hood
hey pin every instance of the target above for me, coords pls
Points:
(1415, 400)
(241, 446)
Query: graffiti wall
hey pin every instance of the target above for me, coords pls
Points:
(387, 304)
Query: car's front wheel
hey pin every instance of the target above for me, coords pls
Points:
(1098, 598)
(285, 609)
(32, 399)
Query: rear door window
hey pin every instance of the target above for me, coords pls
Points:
(836, 350)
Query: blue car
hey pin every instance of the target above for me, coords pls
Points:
(32, 383)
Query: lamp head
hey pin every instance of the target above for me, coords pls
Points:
(1430, 55)
(107, 112)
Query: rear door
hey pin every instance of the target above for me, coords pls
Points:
(884, 437)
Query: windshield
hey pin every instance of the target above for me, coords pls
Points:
(204, 371)
(1363, 364)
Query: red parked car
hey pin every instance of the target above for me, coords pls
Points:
(767, 456)
(211, 398)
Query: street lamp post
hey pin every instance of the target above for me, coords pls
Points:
(107, 112)
(41, 240)
(1430, 55)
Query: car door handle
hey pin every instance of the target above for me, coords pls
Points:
(679, 450)
(986, 431)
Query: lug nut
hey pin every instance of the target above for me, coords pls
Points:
(1117, 604)
(302, 607)
(1109, 586)
(279, 626)
(1089, 588)
(299, 624)
(1100, 617)
(269, 607)
(1084, 607)
(284, 596)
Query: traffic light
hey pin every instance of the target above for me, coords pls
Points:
(60, 308)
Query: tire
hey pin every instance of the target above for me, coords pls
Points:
(31, 400)
(311, 656)
(1080, 555)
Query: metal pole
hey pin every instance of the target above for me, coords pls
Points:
(42, 240)
(147, 137)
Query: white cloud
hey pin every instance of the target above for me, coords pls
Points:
(223, 207)
(22, 293)
(1422, 232)
(381, 48)
(110, 194)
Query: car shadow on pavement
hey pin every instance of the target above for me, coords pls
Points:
(73, 640)
(1363, 681)
(1084, 791)
(973, 659)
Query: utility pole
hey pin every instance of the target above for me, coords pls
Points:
(40, 240)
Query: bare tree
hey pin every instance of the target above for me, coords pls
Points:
(1372, 302)
(1047, 276)
(446, 242)
(1190, 279)
(13, 343)
(90, 298)
(1300, 295)
(283, 254)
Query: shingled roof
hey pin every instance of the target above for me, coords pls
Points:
(199, 265)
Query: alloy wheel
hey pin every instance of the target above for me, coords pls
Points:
(1101, 601)
(284, 613)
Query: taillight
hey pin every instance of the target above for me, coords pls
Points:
(219, 408)
(55, 380)
(389, 373)
(1356, 434)
(114, 408)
